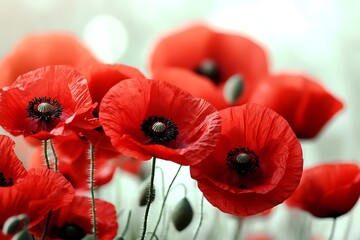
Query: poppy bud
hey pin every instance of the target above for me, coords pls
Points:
(144, 197)
(233, 88)
(14, 223)
(182, 214)
(22, 235)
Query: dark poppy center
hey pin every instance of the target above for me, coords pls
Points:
(71, 231)
(159, 130)
(242, 160)
(5, 182)
(209, 68)
(44, 109)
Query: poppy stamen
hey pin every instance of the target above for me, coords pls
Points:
(44, 109)
(242, 160)
(208, 68)
(5, 182)
(159, 130)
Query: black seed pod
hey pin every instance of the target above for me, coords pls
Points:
(182, 214)
(144, 196)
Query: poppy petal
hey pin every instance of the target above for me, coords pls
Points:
(129, 103)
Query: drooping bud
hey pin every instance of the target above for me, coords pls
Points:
(14, 224)
(144, 196)
(22, 235)
(233, 88)
(182, 214)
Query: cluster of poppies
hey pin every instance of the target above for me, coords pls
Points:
(212, 104)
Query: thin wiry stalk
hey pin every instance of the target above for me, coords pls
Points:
(164, 201)
(55, 157)
(332, 229)
(92, 170)
(46, 154)
(201, 217)
(149, 202)
(127, 225)
(46, 225)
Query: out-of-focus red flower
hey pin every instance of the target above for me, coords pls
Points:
(40, 50)
(47, 102)
(226, 62)
(304, 103)
(256, 164)
(146, 118)
(74, 221)
(328, 190)
(33, 193)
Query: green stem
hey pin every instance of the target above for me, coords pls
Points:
(201, 217)
(55, 157)
(164, 201)
(127, 225)
(332, 229)
(240, 222)
(92, 170)
(46, 154)
(348, 226)
(48, 166)
(46, 225)
(149, 202)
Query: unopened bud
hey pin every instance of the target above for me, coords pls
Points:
(22, 235)
(14, 224)
(182, 214)
(144, 197)
(233, 88)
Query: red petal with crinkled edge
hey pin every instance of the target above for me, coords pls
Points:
(41, 191)
(40, 50)
(10, 166)
(78, 213)
(125, 107)
(191, 82)
(62, 83)
(328, 190)
(233, 54)
(270, 137)
(101, 77)
(303, 102)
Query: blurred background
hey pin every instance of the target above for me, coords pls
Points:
(317, 37)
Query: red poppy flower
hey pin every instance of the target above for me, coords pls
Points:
(101, 77)
(146, 118)
(256, 164)
(33, 193)
(304, 103)
(74, 221)
(40, 50)
(47, 102)
(328, 190)
(229, 62)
